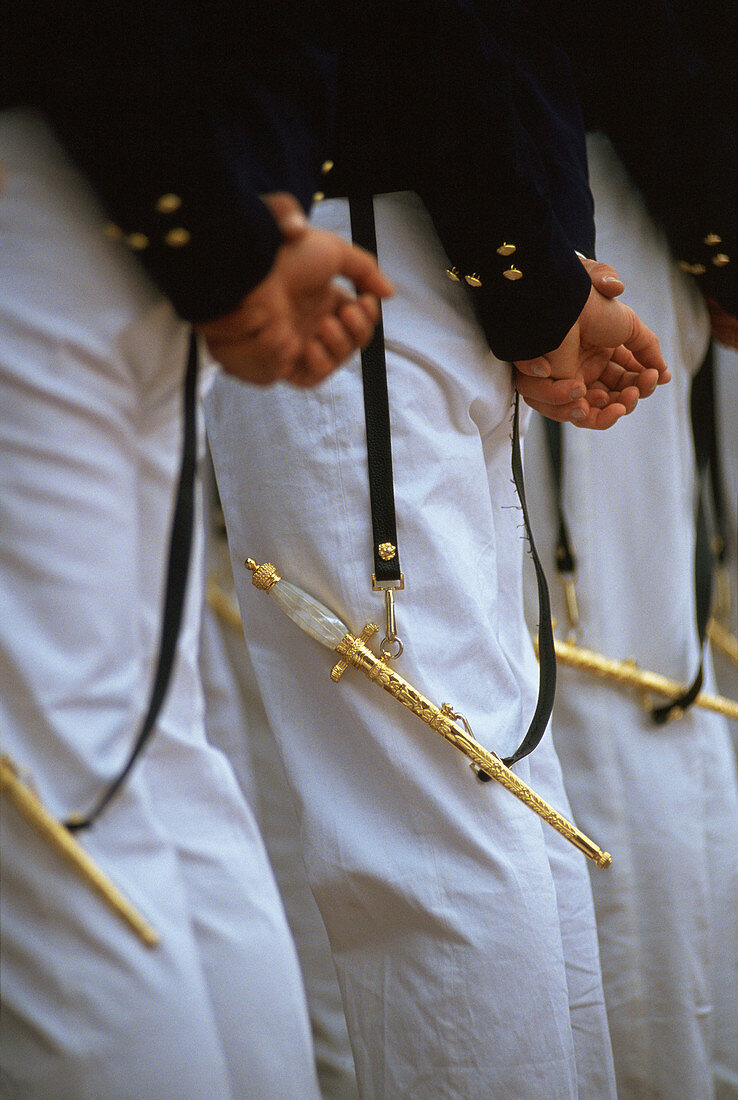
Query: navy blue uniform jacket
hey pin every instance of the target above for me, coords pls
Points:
(468, 103)
(213, 102)
(660, 82)
(471, 105)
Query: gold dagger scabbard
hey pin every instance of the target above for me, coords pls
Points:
(354, 652)
(627, 673)
(322, 625)
(31, 808)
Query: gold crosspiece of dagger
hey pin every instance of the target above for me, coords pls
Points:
(322, 625)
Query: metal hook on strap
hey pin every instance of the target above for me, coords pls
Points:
(390, 647)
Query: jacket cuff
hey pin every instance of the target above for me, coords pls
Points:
(528, 288)
(209, 277)
(530, 316)
(205, 257)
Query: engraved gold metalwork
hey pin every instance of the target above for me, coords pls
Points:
(628, 674)
(265, 576)
(473, 279)
(513, 274)
(352, 643)
(387, 551)
(31, 808)
(354, 652)
(506, 249)
(453, 274)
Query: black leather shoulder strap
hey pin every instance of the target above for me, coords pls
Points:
(180, 545)
(382, 497)
(708, 477)
(377, 417)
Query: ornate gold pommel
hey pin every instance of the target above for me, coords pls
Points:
(387, 551)
(265, 576)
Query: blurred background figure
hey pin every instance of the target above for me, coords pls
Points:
(663, 175)
(127, 215)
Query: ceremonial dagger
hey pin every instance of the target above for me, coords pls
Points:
(627, 673)
(326, 628)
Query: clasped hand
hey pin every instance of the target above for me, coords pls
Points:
(298, 324)
(606, 362)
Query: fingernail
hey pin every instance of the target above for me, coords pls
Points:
(539, 369)
(612, 279)
(577, 414)
(577, 391)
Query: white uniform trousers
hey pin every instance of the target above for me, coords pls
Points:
(236, 723)
(91, 369)
(662, 798)
(461, 927)
(726, 385)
